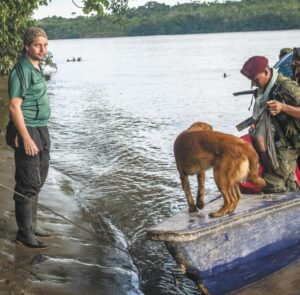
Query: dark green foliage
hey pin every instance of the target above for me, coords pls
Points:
(95, 5)
(155, 18)
(15, 17)
(48, 61)
(151, 19)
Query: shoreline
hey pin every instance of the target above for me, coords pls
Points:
(19, 264)
(75, 262)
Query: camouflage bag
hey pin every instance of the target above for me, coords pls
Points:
(296, 65)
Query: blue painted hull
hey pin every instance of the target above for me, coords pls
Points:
(228, 253)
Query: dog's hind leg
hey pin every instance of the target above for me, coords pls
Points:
(201, 189)
(253, 176)
(226, 206)
(236, 193)
(223, 185)
(188, 194)
(236, 171)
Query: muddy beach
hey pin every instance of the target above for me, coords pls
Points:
(76, 261)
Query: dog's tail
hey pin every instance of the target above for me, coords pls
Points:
(253, 176)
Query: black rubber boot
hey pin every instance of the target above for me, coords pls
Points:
(25, 233)
(37, 230)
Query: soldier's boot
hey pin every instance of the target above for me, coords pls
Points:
(25, 235)
(37, 230)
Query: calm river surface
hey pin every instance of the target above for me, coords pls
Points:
(115, 117)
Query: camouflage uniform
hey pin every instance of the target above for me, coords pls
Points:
(284, 51)
(287, 138)
(295, 65)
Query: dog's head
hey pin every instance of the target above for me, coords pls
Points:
(200, 126)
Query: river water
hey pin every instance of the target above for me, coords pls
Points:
(115, 116)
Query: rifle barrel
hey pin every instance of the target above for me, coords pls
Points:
(245, 92)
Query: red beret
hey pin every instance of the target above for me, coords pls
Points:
(254, 66)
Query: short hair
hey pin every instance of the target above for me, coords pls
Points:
(32, 33)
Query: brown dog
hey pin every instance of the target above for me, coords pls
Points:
(199, 148)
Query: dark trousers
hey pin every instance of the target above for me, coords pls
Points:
(31, 172)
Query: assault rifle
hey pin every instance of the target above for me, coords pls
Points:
(249, 121)
(253, 92)
(246, 123)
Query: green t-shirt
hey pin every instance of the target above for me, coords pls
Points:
(27, 82)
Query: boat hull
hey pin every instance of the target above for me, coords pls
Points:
(231, 252)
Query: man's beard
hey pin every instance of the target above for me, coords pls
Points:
(36, 57)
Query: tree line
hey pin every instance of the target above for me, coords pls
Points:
(114, 18)
(156, 18)
(16, 17)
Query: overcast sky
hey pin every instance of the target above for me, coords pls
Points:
(65, 8)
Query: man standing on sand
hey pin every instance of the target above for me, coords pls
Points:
(29, 114)
(280, 97)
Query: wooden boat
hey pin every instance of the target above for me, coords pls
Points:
(225, 254)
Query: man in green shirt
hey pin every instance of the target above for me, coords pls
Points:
(280, 97)
(29, 113)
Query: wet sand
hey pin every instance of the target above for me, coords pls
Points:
(74, 263)
(26, 270)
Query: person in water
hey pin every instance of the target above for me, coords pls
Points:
(280, 97)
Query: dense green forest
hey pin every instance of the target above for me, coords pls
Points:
(155, 18)
(16, 17)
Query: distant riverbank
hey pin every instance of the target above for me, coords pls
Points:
(190, 18)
